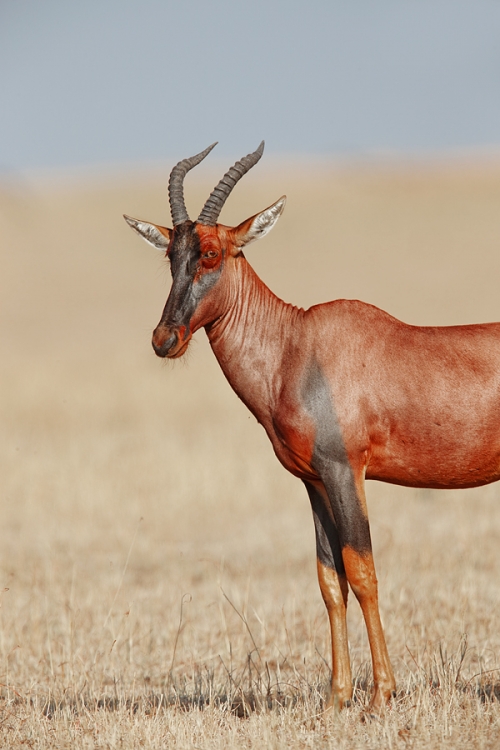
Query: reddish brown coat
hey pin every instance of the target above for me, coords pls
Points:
(345, 393)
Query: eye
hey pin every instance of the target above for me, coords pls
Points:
(209, 259)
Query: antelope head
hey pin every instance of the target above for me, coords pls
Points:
(202, 253)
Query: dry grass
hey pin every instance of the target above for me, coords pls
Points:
(157, 564)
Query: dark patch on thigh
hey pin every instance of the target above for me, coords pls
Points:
(331, 461)
(328, 549)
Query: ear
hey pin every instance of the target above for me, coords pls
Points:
(259, 225)
(157, 236)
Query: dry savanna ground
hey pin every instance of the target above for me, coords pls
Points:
(157, 566)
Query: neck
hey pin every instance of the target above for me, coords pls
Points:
(250, 338)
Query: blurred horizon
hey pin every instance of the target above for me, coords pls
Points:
(128, 83)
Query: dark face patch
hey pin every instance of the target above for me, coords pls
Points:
(331, 462)
(192, 278)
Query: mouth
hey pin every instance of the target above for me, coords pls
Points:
(179, 349)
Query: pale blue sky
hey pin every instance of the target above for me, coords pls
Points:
(86, 82)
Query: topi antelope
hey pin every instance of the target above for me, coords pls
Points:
(344, 391)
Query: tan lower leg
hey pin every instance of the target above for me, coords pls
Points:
(360, 573)
(334, 590)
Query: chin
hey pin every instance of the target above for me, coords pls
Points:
(180, 351)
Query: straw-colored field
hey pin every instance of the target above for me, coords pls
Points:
(157, 564)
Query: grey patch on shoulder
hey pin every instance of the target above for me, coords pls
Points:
(331, 462)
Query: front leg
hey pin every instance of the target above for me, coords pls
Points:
(311, 441)
(333, 586)
(345, 490)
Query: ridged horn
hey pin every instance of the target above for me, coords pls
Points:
(220, 193)
(176, 185)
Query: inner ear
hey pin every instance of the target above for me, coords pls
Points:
(259, 225)
(156, 235)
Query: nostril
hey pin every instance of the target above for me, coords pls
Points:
(162, 345)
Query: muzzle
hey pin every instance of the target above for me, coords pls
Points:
(168, 342)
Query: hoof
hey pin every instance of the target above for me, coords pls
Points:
(367, 717)
(380, 700)
(337, 703)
